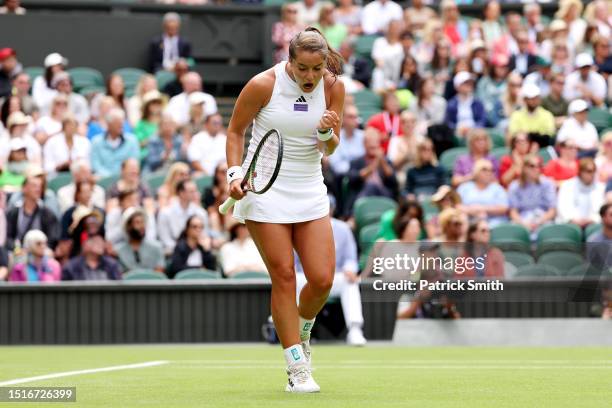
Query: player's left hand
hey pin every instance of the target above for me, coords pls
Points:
(329, 119)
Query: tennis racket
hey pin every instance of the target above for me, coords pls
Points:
(264, 167)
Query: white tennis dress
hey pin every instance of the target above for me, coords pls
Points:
(298, 194)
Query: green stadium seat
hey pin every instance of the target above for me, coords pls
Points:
(60, 180)
(277, 3)
(164, 78)
(366, 114)
(590, 230)
(144, 274)
(367, 236)
(251, 275)
(155, 180)
(204, 182)
(511, 237)
(364, 44)
(368, 210)
(34, 72)
(600, 118)
(559, 237)
(365, 99)
(448, 157)
(547, 154)
(586, 270)
(537, 271)
(499, 152)
(130, 76)
(497, 137)
(509, 270)
(518, 259)
(83, 77)
(562, 260)
(196, 273)
(430, 210)
(106, 182)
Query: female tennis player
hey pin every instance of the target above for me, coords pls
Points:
(303, 99)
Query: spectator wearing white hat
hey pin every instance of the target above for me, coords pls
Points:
(464, 111)
(77, 104)
(533, 118)
(65, 147)
(584, 83)
(179, 105)
(17, 128)
(578, 129)
(13, 169)
(207, 149)
(42, 90)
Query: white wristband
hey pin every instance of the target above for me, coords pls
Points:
(234, 173)
(325, 136)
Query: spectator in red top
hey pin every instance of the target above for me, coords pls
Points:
(387, 122)
(566, 165)
(511, 165)
(455, 29)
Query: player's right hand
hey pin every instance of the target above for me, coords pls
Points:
(235, 189)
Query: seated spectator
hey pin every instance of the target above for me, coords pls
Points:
(192, 249)
(570, 11)
(38, 266)
(565, 166)
(214, 196)
(532, 198)
(3, 263)
(17, 128)
(444, 198)
(98, 124)
(491, 25)
(455, 29)
(179, 105)
(511, 165)
(533, 15)
(12, 173)
(308, 11)
(387, 122)
(47, 196)
(240, 253)
(148, 125)
(284, 30)
(524, 60)
(584, 83)
(510, 102)
(9, 69)
(171, 220)
(112, 148)
(82, 196)
(604, 158)
(146, 84)
(92, 264)
(12, 7)
(177, 172)
(533, 118)
(440, 64)
(334, 32)
(403, 149)
(478, 245)
(207, 149)
(197, 116)
(426, 176)
(554, 102)
(51, 124)
(175, 87)
(453, 226)
(372, 174)
(541, 75)
(165, 50)
(64, 148)
(464, 111)
(356, 71)
(166, 147)
(428, 107)
(84, 222)
(113, 227)
(115, 89)
(605, 234)
(491, 88)
(77, 104)
(138, 251)
(420, 14)
(483, 197)
(352, 142)
(377, 15)
(602, 57)
(581, 197)
(42, 91)
(388, 54)
(350, 14)
(479, 147)
(507, 45)
(21, 89)
(81, 172)
(31, 214)
(578, 129)
(130, 181)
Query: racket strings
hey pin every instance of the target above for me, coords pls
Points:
(265, 163)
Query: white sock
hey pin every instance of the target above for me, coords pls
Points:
(305, 328)
(294, 354)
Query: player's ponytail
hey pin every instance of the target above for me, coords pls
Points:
(312, 40)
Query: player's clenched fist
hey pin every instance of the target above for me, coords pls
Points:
(329, 120)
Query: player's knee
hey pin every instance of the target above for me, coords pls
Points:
(322, 283)
(283, 277)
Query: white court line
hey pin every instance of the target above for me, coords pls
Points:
(399, 367)
(79, 372)
(409, 362)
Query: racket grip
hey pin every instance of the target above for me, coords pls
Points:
(225, 207)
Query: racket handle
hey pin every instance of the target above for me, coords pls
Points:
(225, 207)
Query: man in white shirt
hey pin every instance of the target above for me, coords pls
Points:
(581, 197)
(62, 149)
(351, 147)
(377, 15)
(207, 148)
(81, 171)
(584, 83)
(578, 129)
(179, 105)
(77, 104)
(17, 127)
(308, 11)
(172, 219)
(166, 50)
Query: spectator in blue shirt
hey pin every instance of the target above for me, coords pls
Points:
(92, 264)
(464, 111)
(166, 147)
(110, 149)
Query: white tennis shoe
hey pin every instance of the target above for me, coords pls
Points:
(300, 379)
(355, 337)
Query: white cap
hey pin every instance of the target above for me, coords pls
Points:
(197, 98)
(584, 60)
(461, 77)
(17, 118)
(530, 90)
(17, 143)
(579, 105)
(55, 59)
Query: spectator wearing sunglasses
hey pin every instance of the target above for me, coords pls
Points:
(581, 197)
